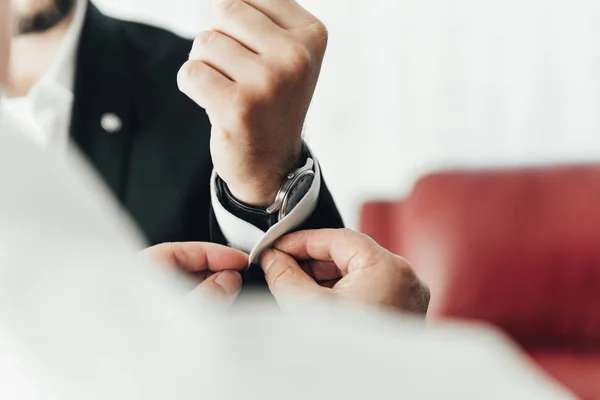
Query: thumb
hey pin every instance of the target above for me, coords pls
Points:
(286, 280)
(222, 287)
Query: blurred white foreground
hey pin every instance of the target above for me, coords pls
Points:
(80, 319)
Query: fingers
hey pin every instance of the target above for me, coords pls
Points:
(206, 86)
(322, 271)
(225, 55)
(346, 248)
(288, 14)
(371, 275)
(298, 22)
(285, 277)
(249, 26)
(223, 287)
(198, 257)
(214, 265)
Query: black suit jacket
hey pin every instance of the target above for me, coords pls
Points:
(158, 164)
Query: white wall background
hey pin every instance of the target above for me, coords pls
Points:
(410, 85)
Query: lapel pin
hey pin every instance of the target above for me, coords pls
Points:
(111, 123)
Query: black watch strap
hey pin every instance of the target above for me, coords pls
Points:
(254, 215)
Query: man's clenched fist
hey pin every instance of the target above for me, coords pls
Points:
(255, 73)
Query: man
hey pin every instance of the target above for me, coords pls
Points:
(78, 318)
(110, 87)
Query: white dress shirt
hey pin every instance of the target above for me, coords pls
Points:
(45, 115)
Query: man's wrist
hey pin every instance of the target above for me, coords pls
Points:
(260, 194)
(262, 190)
(256, 215)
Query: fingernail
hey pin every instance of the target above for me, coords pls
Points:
(230, 282)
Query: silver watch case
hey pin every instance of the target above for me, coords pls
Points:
(296, 183)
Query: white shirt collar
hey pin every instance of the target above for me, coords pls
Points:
(62, 71)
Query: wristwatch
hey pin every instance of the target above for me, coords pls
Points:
(293, 190)
(296, 185)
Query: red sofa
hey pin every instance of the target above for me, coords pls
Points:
(518, 248)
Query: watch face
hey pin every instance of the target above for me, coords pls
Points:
(297, 193)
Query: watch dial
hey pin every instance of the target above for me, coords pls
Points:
(297, 193)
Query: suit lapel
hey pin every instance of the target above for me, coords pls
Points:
(102, 113)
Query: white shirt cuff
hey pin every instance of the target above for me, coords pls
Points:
(244, 236)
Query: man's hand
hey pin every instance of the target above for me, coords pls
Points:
(345, 265)
(215, 268)
(255, 73)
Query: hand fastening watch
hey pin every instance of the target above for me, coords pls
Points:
(293, 190)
